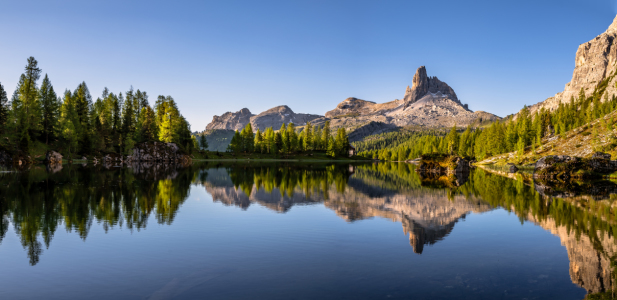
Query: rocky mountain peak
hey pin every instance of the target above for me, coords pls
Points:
(422, 85)
(231, 120)
(595, 61)
(613, 27)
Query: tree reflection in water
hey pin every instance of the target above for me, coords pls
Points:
(40, 200)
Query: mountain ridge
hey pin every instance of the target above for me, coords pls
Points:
(428, 102)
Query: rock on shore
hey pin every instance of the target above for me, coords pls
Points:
(564, 167)
(443, 164)
(158, 151)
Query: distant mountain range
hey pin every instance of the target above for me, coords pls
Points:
(428, 102)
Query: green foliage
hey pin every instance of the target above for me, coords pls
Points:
(508, 135)
(287, 141)
(75, 124)
(4, 109)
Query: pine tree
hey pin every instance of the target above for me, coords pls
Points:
(203, 142)
(278, 142)
(28, 114)
(4, 109)
(248, 140)
(452, 140)
(259, 142)
(293, 137)
(325, 135)
(51, 108)
(285, 147)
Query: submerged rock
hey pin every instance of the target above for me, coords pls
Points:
(513, 168)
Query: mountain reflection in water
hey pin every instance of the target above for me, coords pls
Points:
(39, 201)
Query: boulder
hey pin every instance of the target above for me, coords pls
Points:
(563, 166)
(512, 168)
(53, 157)
(601, 155)
(158, 152)
(443, 164)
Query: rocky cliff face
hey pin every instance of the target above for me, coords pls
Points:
(429, 102)
(422, 85)
(594, 62)
(276, 116)
(231, 121)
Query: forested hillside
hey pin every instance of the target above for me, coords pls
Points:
(38, 118)
(527, 131)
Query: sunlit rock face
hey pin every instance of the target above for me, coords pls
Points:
(428, 102)
(279, 115)
(422, 85)
(594, 62)
(273, 117)
(231, 120)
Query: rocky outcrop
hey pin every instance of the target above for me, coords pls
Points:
(564, 167)
(231, 121)
(352, 106)
(53, 157)
(595, 61)
(276, 116)
(429, 102)
(422, 85)
(443, 164)
(158, 152)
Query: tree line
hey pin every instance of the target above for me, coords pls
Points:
(288, 140)
(75, 123)
(526, 131)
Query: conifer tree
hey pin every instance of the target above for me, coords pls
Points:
(4, 109)
(325, 135)
(248, 139)
(51, 109)
(285, 147)
(203, 142)
(259, 140)
(277, 146)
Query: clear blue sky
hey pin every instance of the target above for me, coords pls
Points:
(218, 56)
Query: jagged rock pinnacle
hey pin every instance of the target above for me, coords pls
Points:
(422, 85)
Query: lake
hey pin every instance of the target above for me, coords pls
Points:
(292, 230)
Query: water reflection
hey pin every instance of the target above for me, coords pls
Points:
(43, 199)
(38, 201)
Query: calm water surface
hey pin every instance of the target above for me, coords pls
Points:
(298, 231)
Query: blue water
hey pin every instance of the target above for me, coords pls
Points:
(216, 251)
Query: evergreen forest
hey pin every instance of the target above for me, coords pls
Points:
(37, 118)
(519, 133)
(287, 140)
